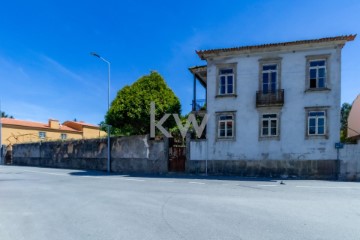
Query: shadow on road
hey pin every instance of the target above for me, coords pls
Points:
(170, 176)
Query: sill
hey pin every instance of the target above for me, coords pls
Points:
(232, 139)
(317, 90)
(309, 137)
(226, 95)
(269, 138)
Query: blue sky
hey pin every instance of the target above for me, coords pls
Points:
(46, 70)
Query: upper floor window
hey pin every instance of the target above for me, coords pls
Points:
(269, 78)
(316, 123)
(317, 72)
(63, 136)
(226, 81)
(42, 135)
(226, 127)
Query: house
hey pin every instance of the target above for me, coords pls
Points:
(20, 131)
(274, 109)
(353, 131)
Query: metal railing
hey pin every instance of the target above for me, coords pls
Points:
(270, 98)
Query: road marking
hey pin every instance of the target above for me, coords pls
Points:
(166, 181)
(196, 182)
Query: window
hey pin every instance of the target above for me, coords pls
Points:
(63, 136)
(316, 123)
(269, 125)
(42, 135)
(226, 125)
(317, 72)
(269, 78)
(226, 81)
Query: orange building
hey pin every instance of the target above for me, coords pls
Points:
(19, 131)
(354, 120)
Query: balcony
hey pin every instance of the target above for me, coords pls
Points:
(270, 98)
(199, 105)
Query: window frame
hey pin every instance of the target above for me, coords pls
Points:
(269, 120)
(270, 61)
(63, 134)
(218, 121)
(218, 81)
(308, 110)
(42, 133)
(265, 111)
(327, 83)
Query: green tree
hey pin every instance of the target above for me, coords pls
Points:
(345, 110)
(4, 115)
(129, 113)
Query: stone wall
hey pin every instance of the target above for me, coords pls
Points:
(290, 169)
(135, 154)
(350, 162)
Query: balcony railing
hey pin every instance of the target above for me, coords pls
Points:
(270, 98)
(199, 105)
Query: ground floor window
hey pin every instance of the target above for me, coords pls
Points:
(316, 123)
(269, 125)
(226, 125)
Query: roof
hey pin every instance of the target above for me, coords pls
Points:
(203, 54)
(30, 124)
(200, 73)
(81, 123)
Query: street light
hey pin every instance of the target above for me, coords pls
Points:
(108, 126)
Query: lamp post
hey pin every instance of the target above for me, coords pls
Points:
(108, 126)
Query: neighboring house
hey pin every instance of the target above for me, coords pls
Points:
(274, 109)
(353, 131)
(19, 131)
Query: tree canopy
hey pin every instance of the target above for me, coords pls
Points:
(4, 115)
(129, 113)
(345, 110)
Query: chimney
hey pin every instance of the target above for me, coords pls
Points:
(54, 124)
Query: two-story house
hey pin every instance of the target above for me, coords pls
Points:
(274, 109)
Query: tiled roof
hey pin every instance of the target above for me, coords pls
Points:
(30, 124)
(82, 123)
(203, 53)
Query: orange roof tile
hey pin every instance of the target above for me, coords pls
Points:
(82, 123)
(203, 53)
(30, 124)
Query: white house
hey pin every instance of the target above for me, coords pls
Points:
(274, 109)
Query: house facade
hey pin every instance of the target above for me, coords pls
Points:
(274, 109)
(20, 131)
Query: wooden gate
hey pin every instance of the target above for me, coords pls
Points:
(177, 155)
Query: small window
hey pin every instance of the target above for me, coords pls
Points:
(316, 123)
(269, 125)
(42, 135)
(226, 81)
(63, 136)
(317, 72)
(226, 126)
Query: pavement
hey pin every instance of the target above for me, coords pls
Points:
(45, 203)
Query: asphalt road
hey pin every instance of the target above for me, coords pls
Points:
(51, 204)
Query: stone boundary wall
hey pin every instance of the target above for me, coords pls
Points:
(350, 162)
(134, 154)
(288, 169)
